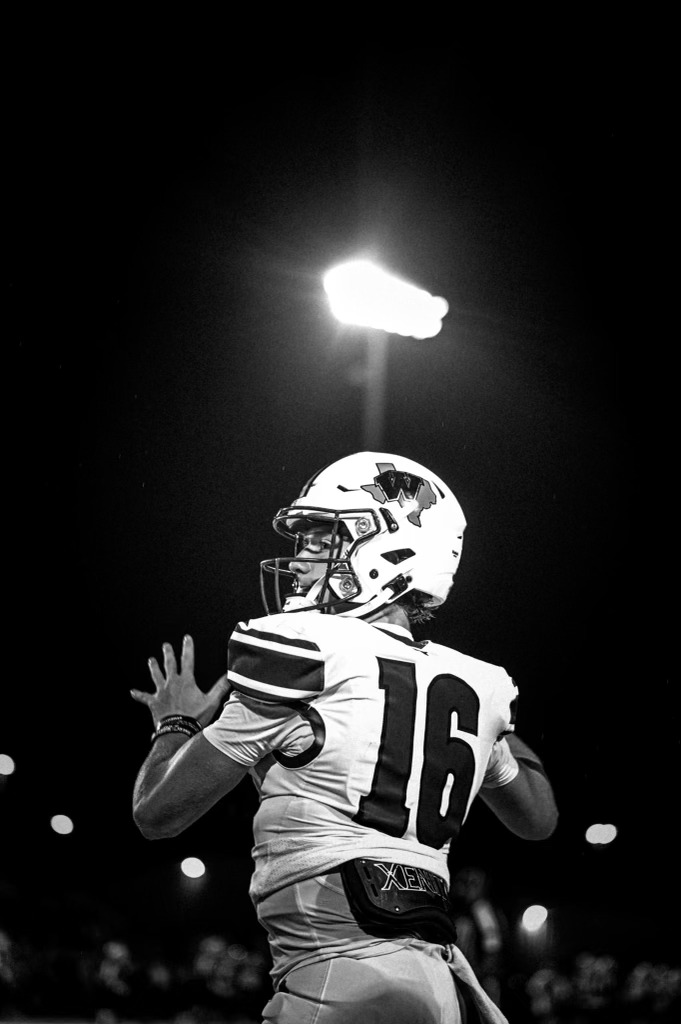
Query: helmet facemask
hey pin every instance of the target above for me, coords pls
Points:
(338, 587)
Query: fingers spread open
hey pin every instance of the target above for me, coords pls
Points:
(156, 673)
(169, 662)
(188, 655)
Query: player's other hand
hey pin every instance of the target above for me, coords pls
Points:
(176, 692)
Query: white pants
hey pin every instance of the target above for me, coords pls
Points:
(410, 986)
(326, 970)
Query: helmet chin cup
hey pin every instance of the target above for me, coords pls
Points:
(297, 603)
(402, 530)
(337, 586)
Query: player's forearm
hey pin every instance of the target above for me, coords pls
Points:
(180, 780)
(520, 750)
(526, 805)
(155, 808)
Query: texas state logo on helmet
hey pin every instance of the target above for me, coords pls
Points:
(402, 528)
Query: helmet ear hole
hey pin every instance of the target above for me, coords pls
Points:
(398, 555)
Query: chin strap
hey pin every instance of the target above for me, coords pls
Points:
(298, 603)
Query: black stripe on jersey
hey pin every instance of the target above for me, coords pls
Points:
(276, 638)
(419, 644)
(275, 668)
(264, 698)
(316, 723)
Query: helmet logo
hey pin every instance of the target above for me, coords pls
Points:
(394, 485)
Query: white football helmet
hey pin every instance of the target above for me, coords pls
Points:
(398, 526)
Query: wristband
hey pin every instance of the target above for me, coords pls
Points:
(502, 766)
(182, 724)
(191, 723)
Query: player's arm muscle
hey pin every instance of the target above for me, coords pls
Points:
(526, 805)
(179, 781)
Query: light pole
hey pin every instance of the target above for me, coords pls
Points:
(363, 294)
(374, 381)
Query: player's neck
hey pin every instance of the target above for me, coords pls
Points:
(391, 614)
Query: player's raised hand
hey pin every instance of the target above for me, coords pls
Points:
(176, 691)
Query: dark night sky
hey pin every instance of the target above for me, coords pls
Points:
(178, 376)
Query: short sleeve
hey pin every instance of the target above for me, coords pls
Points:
(248, 730)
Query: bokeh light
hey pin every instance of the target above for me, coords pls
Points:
(534, 918)
(7, 765)
(600, 835)
(62, 824)
(192, 867)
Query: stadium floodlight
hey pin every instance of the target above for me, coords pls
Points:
(363, 294)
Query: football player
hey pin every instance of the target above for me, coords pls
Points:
(367, 748)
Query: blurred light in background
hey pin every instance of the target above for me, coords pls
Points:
(6, 765)
(237, 952)
(361, 293)
(600, 835)
(192, 867)
(62, 824)
(534, 918)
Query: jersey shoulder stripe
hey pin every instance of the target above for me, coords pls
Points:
(270, 694)
(272, 667)
(255, 635)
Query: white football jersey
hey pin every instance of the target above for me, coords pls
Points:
(361, 741)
